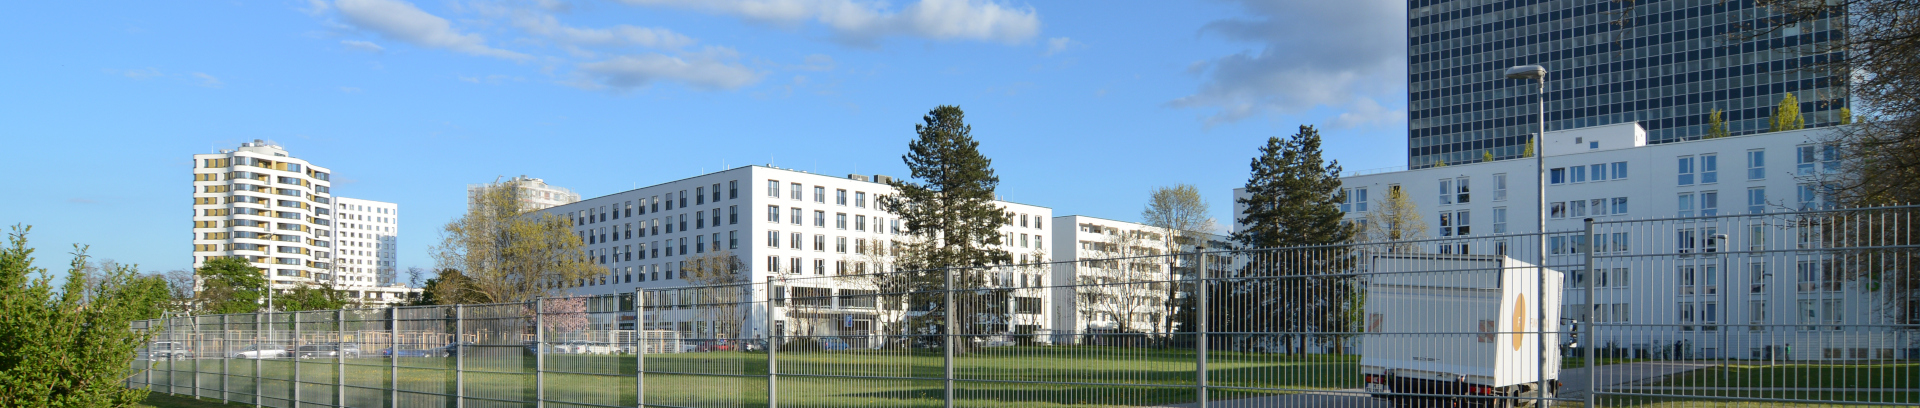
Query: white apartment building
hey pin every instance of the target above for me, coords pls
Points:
(1609, 173)
(261, 203)
(1110, 272)
(366, 246)
(796, 229)
(534, 193)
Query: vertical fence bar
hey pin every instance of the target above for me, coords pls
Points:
(539, 353)
(296, 360)
(773, 354)
(340, 357)
(173, 354)
(946, 350)
(193, 337)
(226, 363)
(1587, 339)
(459, 356)
(1200, 332)
(393, 356)
(259, 354)
(640, 358)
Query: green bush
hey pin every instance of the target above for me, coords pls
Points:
(70, 347)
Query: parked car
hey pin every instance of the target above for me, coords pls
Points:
(168, 350)
(454, 349)
(414, 352)
(327, 350)
(269, 350)
(714, 345)
(583, 347)
(833, 344)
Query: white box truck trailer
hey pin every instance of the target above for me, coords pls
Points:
(1453, 327)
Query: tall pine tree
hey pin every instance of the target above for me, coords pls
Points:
(951, 208)
(1292, 228)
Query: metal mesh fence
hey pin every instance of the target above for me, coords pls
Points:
(1810, 308)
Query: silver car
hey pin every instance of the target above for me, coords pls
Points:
(268, 350)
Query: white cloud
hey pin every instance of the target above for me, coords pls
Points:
(1299, 66)
(363, 46)
(208, 80)
(628, 72)
(817, 62)
(401, 21)
(621, 35)
(1365, 112)
(867, 21)
(1057, 45)
(136, 73)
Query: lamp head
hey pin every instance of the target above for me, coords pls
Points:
(1534, 72)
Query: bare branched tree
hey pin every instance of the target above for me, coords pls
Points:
(721, 293)
(1392, 222)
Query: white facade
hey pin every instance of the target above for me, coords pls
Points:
(1609, 174)
(1134, 291)
(367, 245)
(534, 193)
(795, 229)
(261, 203)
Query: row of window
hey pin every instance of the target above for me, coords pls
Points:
(699, 220)
(819, 194)
(839, 220)
(653, 249)
(1587, 173)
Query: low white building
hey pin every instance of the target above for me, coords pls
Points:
(1666, 276)
(804, 233)
(1114, 277)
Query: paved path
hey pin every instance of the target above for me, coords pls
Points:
(1573, 385)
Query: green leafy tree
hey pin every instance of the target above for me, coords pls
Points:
(74, 346)
(1529, 150)
(230, 285)
(509, 253)
(304, 297)
(1787, 115)
(1846, 116)
(448, 288)
(1486, 155)
(1291, 205)
(951, 206)
(1716, 127)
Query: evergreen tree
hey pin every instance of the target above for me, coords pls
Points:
(1293, 222)
(1787, 115)
(1529, 151)
(1716, 127)
(951, 207)
(305, 297)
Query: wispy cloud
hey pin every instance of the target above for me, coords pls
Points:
(1057, 45)
(402, 21)
(865, 22)
(620, 35)
(207, 80)
(1295, 68)
(629, 72)
(367, 46)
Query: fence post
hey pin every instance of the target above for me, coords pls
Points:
(640, 358)
(539, 353)
(258, 355)
(194, 338)
(340, 357)
(1588, 339)
(773, 353)
(226, 351)
(459, 356)
(295, 317)
(946, 351)
(393, 355)
(1200, 323)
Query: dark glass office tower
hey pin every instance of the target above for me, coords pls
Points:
(1668, 68)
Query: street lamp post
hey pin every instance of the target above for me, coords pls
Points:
(1538, 74)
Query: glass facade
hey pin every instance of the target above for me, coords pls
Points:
(1668, 68)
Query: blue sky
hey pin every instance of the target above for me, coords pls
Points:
(1084, 106)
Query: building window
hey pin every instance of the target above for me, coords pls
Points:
(773, 239)
(1685, 170)
(1756, 200)
(1359, 203)
(859, 223)
(1685, 203)
(1709, 203)
(1499, 220)
(1598, 206)
(733, 214)
(794, 216)
(820, 219)
(1500, 187)
(840, 221)
(1599, 171)
(1803, 162)
(793, 240)
(1557, 176)
(1577, 208)
(773, 188)
(1808, 197)
(819, 266)
(1709, 168)
(733, 189)
(1756, 164)
(820, 194)
(820, 243)
(840, 244)
(840, 197)
(1577, 174)
(860, 199)
(699, 195)
(1557, 210)
(795, 187)
(1619, 205)
(716, 192)
(700, 218)
(1453, 223)
(1446, 191)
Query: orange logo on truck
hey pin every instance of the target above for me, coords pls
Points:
(1519, 320)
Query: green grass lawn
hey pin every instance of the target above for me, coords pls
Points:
(1898, 376)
